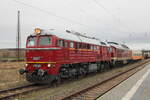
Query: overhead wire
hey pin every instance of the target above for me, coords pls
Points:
(50, 13)
(110, 13)
(84, 12)
(64, 18)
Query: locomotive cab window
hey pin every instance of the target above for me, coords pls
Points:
(31, 41)
(43, 41)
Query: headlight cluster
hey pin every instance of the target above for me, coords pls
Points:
(26, 65)
(39, 65)
(50, 65)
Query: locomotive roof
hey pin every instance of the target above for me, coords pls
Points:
(73, 36)
(117, 45)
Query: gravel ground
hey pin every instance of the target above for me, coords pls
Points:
(53, 93)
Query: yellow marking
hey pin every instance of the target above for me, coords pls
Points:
(90, 50)
(83, 49)
(71, 48)
(41, 62)
(124, 58)
(80, 49)
(137, 57)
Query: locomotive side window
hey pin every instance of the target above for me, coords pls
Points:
(88, 46)
(92, 47)
(44, 41)
(77, 45)
(83, 46)
(71, 44)
(80, 45)
(110, 49)
(61, 43)
(95, 47)
(31, 41)
(66, 44)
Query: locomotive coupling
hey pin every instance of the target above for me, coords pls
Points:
(22, 71)
(41, 72)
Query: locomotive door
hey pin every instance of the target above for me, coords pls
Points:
(101, 52)
(65, 50)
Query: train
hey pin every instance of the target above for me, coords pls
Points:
(52, 55)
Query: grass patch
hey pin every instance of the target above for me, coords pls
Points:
(9, 75)
(11, 59)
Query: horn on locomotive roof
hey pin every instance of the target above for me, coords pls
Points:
(80, 34)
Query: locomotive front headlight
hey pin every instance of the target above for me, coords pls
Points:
(26, 65)
(49, 65)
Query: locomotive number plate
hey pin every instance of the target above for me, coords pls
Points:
(37, 65)
(36, 58)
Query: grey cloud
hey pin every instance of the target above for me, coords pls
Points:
(131, 16)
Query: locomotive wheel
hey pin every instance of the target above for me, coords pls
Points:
(102, 67)
(106, 66)
(58, 79)
(98, 67)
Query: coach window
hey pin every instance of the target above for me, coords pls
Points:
(71, 44)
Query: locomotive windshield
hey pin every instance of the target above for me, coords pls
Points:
(44, 40)
(39, 41)
(31, 41)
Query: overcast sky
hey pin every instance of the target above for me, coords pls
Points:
(124, 21)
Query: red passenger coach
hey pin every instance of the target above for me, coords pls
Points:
(52, 55)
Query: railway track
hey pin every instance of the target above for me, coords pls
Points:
(89, 93)
(12, 92)
(96, 90)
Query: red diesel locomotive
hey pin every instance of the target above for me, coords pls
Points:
(52, 55)
(120, 53)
